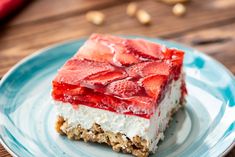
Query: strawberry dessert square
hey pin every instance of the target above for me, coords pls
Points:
(122, 92)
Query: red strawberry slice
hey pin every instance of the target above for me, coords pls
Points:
(177, 57)
(96, 51)
(135, 71)
(176, 62)
(174, 55)
(142, 105)
(125, 59)
(109, 102)
(76, 70)
(102, 48)
(104, 78)
(61, 88)
(145, 49)
(106, 38)
(148, 68)
(123, 88)
(178, 53)
(121, 57)
(160, 68)
(115, 44)
(154, 84)
(76, 91)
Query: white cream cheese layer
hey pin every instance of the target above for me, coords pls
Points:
(130, 125)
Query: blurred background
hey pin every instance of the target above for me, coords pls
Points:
(29, 25)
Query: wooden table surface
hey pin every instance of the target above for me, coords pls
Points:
(209, 26)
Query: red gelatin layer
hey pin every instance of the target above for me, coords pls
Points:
(127, 76)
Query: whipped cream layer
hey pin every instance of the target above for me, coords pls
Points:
(130, 125)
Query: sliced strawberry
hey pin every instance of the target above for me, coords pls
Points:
(63, 86)
(125, 59)
(115, 44)
(104, 78)
(71, 92)
(145, 49)
(135, 71)
(160, 68)
(113, 104)
(172, 54)
(154, 84)
(148, 68)
(178, 53)
(102, 48)
(95, 51)
(93, 98)
(167, 53)
(76, 91)
(141, 105)
(76, 70)
(176, 62)
(177, 57)
(106, 38)
(121, 57)
(123, 88)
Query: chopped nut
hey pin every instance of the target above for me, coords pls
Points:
(59, 123)
(143, 17)
(172, 2)
(139, 153)
(95, 17)
(179, 9)
(131, 9)
(117, 147)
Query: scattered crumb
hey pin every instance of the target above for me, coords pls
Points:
(143, 17)
(179, 9)
(95, 17)
(131, 9)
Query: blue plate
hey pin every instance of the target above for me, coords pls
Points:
(205, 127)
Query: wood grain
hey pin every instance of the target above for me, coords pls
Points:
(208, 26)
(42, 10)
(222, 50)
(3, 152)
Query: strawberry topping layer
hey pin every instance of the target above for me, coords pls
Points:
(127, 76)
